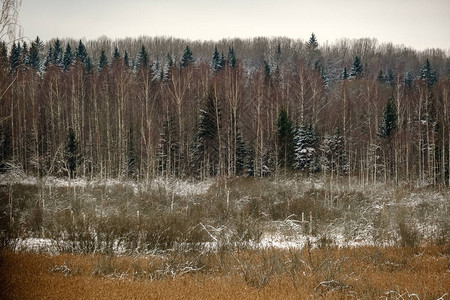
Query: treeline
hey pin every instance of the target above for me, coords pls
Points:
(253, 107)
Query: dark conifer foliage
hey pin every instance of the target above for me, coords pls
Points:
(285, 133)
(187, 57)
(102, 62)
(357, 68)
(389, 120)
(68, 58)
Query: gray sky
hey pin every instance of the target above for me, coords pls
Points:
(420, 24)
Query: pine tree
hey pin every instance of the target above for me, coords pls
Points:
(312, 43)
(389, 121)
(102, 62)
(187, 57)
(357, 68)
(285, 135)
(5, 147)
(306, 156)
(68, 58)
(72, 153)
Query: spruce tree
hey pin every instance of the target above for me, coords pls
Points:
(14, 58)
(72, 153)
(81, 53)
(241, 153)
(3, 55)
(57, 53)
(34, 60)
(389, 121)
(102, 62)
(427, 74)
(409, 79)
(312, 43)
(68, 58)
(142, 58)
(231, 57)
(345, 74)
(334, 153)
(116, 54)
(285, 137)
(187, 57)
(306, 154)
(357, 68)
(126, 59)
(216, 64)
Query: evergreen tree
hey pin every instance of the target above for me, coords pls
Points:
(345, 74)
(116, 54)
(380, 76)
(306, 156)
(312, 43)
(126, 59)
(206, 150)
(5, 147)
(14, 58)
(285, 135)
(266, 69)
(187, 57)
(334, 153)
(102, 62)
(24, 55)
(427, 74)
(142, 59)
(81, 53)
(409, 79)
(34, 60)
(88, 65)
(72, 153)
(231, 57)
(3, 55)
(241, 153)
(357, 68)
(389, 121)
(68, 58)
(57, 54)
(389, 77)
(216, 62)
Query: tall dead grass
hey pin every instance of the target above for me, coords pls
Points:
(331, 273)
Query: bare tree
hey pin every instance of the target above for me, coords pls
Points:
(10, 29)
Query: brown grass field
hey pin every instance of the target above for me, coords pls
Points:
(328, 273)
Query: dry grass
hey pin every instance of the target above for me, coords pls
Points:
(331, 273)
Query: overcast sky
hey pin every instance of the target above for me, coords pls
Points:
(420, 24)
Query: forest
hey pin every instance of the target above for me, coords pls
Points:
(165, 107)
